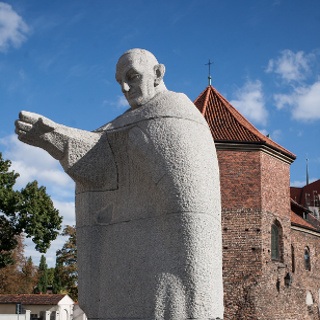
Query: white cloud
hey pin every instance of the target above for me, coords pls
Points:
(250, 102)
(281, 100)
(67, 210)
(298, 183)
(275, 135)
(120, 103)
(36, 164)
(13, 30)
(307, 106)
(304, 102)
(298, 70)
(264, 131)
(291, 66)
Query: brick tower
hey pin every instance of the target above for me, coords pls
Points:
(255, 194)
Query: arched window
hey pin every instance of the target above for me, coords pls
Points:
(276, 241)
(307, 260)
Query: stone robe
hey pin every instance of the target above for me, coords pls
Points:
(148, 214)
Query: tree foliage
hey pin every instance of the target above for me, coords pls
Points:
(43, 275)
(57, 286)
(21, 276)
(50, 276)
(28, 276)
(66, 273)
(29, 211)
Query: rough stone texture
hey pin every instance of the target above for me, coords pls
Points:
(147, 203)
(159, 227)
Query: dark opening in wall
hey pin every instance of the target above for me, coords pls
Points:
(307, 259)
(276, 241)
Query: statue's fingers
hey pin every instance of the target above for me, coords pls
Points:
(22, 135)
(29, 117)
(23, 126)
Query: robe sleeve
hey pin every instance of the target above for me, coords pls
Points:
(89, 161)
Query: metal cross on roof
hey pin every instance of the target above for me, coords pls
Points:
(209, 76)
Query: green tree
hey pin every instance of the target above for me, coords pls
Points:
(43, 275)
(57, 278)
(29, 211)
(50, 276)
(66, 265)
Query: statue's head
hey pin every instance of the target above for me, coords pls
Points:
(140, 76)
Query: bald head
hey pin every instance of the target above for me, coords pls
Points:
(140, 56)
(140, 76)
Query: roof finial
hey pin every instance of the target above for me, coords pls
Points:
(209, 76)
(307, 171)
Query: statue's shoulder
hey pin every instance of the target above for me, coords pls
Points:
(111, 124)
(179, 105)
(173, 98)
(166, 104)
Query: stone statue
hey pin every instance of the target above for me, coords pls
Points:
(147, 201)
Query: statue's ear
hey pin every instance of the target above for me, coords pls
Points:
(159, 71)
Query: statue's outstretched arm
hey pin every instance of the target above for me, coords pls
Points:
(63, 143)
(39, 131)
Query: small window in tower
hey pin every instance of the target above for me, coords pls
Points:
(307, 260)
(307, 199)
(276, 241)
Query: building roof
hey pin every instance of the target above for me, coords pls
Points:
(39, 299)
(303, 217)
(307, 200)
(307, 195)
(228, 125)
(295, 194)
(299, 221)
(298, 208)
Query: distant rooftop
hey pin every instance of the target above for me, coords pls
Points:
(39, 299)
(299, 221)
(307, 195)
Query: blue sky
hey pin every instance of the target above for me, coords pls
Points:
(57, 58)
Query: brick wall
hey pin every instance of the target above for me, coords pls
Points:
(241, 241)
(273, 299)
(240, 177)
(304, 280)
(255, 193)
(275, 185)
(276, 206)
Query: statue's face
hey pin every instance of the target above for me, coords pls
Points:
(137, 79)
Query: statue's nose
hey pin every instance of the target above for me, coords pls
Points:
(125, 87)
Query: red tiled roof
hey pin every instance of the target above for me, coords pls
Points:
(299, 221)
(228, 125)
(41, 299)
(302, 211)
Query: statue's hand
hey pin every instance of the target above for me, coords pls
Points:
(33, 128)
